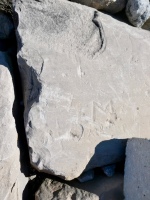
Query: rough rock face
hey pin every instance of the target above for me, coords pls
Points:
(10, 175)
(137, 170)
(85, 80)
(138, 12)
(55, 190)
(111, 6)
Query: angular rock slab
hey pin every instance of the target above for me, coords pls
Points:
(137, 170)
(85, 80)
(111, 6)
(55, 190)
(10, 175)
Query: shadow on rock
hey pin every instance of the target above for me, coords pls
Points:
(108, 152)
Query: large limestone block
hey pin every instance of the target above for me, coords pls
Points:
(85, 80)
(50, 190)
(137, 170)
(12, 181)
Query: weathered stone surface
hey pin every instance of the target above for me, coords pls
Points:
(137, 170)
(79, 90)
(55, 190)
(138, 12)
(7, 26)
(111, 6)
(12, 181)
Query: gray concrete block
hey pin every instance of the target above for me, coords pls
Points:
(137, 170)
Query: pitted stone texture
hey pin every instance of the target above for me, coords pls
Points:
(137, 170)
(138, 12)
(10, 175)
(51, 190)
(111, 6)
(77, 93)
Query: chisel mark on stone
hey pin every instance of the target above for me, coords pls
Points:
(98, 24)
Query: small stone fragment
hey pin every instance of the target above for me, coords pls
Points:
(138, 12)
(109, 170)
(86, 176)
(50, 190)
